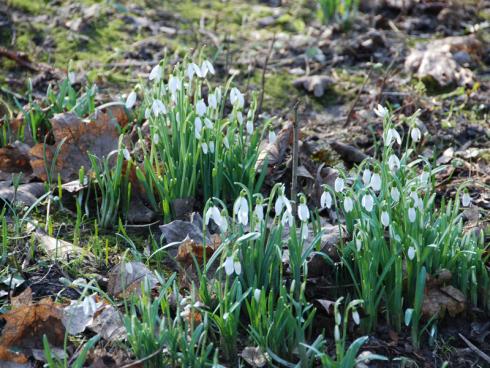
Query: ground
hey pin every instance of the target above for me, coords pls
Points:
(267, 46)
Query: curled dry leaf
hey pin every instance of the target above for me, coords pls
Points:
(27, 194)
(350, 154)
(126, 278)
(98, 136)
(438, 301)
(275, 152)
(25, 327)
(254, 356)
(189, 249)
(316, 84)
(438, 60)
(14, 159)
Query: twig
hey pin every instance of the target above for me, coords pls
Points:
(142, 360)
(358, 96)
(294, 179)
(480, 353)
(266, 63)
(19, 58)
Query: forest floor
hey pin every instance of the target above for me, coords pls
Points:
(428, 56)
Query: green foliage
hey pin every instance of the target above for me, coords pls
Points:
(340, 11)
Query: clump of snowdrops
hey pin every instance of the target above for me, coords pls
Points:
(200, 146)
(398, 235)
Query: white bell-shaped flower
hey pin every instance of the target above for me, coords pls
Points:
(158, 107)
(130, 100)
(375, 182)
(366, 176)
(156, 73)
(259, 211)
(206, 67)
(226, 142)
(211, 146)
(237, 266)
(348, 204)
(412, 214)
(355, 317)
(197, 127)
(381, 111)
(272, 137)
(213, 101)
(326, 200)
(303, 212)
(229, 265)
(411, 253)
(304, 230)
(201, 107)
(236, 98)
(385, 218)
(339, 185)
(392, 134)
(416, 134)
(393, 163)
(395, 194)
(465, 199)
(204, 147)
(174, 84)
(367, 202)
(257, 293)
(250, 127)
(240, 209)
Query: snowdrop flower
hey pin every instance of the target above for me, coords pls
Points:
(240, 209)
(411, 253)
(465, 199)
(287, 217)
(415, 197)
(303, 211)
(385, 218)
(358, 243)
(147, 113)
(393, 163)
(226, 142)
(204, 147)
(381, 111)
(72, 77)
(326, 199)
(425, 177)
(229, 266)
(236, 98)
(366, 176)
(211, 146)
(416, 134)
(158, 107)
(257, 293)
(156, 138)
(206, 67)
(391, 135)
(250, 127)
(336, 333)
(355, 317)
(208, 123)
(174, 84)
(212, 101)
(126, 154)
(272, 137)
(348, 204)
(201, 107)
(367, 202)
(412, 215)
(197, 127)
(282, 202)
(237, 266)
(190, 72)
(156, 73)
(197, 70)
(239, 117)
(395, 194)
(339, 185)
(375, 182)
(130, 100)
(214, 214)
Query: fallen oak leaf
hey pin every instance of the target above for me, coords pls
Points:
(126, 278)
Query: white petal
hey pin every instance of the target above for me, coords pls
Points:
(257, 293)
(466, 200)
(229, 266)
(395, 194)
(303, 212)
(204, 147)
(238, 267)
(393, 163)
(385, 218)
(376, 182)
(211, 146)
(355, 317)
(126, 154)
(131, 100)
(367, 202)
(411, 253)
(156, 138)
(250, 127)
(416, 134)
(156, 73)
(279, 205)
(336, 333)
(339, 184)
(366, 176)
(212, 101)
(348, 204)
(197, 127)
(201, 107)
(226, 142)
(412, 215)
(304, 231)
(259, 212)
(326, 200)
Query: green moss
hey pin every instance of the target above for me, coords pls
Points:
(29, 6)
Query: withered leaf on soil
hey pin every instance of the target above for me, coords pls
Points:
(275, 152)
(126, 278)
(254, 356)
(189, 249)
(58, 248)
(25, 327)
(27, 194)
(442, 300)
(108, 323)
(316, 84)
(98, 136)
(14, 159)
(438, 60)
